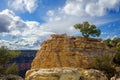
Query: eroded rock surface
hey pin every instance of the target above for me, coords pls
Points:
(65, 74)
(66, 51)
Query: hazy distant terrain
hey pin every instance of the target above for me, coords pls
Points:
(24, 61)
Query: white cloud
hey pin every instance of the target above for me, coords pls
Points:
(54, 18)
(91, 7)
(77, 11)
(22, 5)
(74, 7)
(16, 4)
(6, 19)
(30, 33)
(95, 10)
(25, 33)
(60, 26)
(30, 5)
(50, 13)
(51, 16)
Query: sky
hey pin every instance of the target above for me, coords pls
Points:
(25, 24)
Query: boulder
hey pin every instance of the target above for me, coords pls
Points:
(65, 74)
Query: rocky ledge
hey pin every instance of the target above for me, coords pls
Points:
(62, 51)
(65, 74)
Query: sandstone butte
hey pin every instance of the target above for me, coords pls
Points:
(64, 52)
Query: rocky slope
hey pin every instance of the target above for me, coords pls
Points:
(62, 51)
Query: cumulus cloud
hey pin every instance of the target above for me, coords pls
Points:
(91, 7)
(22, 5)
(30, 5)
(95, 10)
(30, 33)
(3, 24)
(5, 20)
(25, 33)
(77, 11)
(50, 13)
(74, 7)
(10, 22)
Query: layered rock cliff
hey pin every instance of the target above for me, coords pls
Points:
(62, 51)
(59, 51)
(66, 51)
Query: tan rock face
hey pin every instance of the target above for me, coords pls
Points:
(64, 51)
(65, 74)
(60, 51)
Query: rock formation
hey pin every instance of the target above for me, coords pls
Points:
(65, 74)
(62, 51)
(66, 51)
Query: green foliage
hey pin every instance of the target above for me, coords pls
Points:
(108, 42)
(6, 55)
(116, 58)
(115, 41)
(118, 47)
(112, 42)
(88, 30)
(104, 63)
(12, 69)
(109, 71)
(2, 70)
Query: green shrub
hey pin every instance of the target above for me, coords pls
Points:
(104, 63)
(116, 58)
(6, 55)
(108, 42)
(109, 70)
(12, 69)
(2, 70)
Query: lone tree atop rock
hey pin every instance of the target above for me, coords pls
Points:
(88, 29)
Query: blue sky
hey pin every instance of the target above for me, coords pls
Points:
(24, 24)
